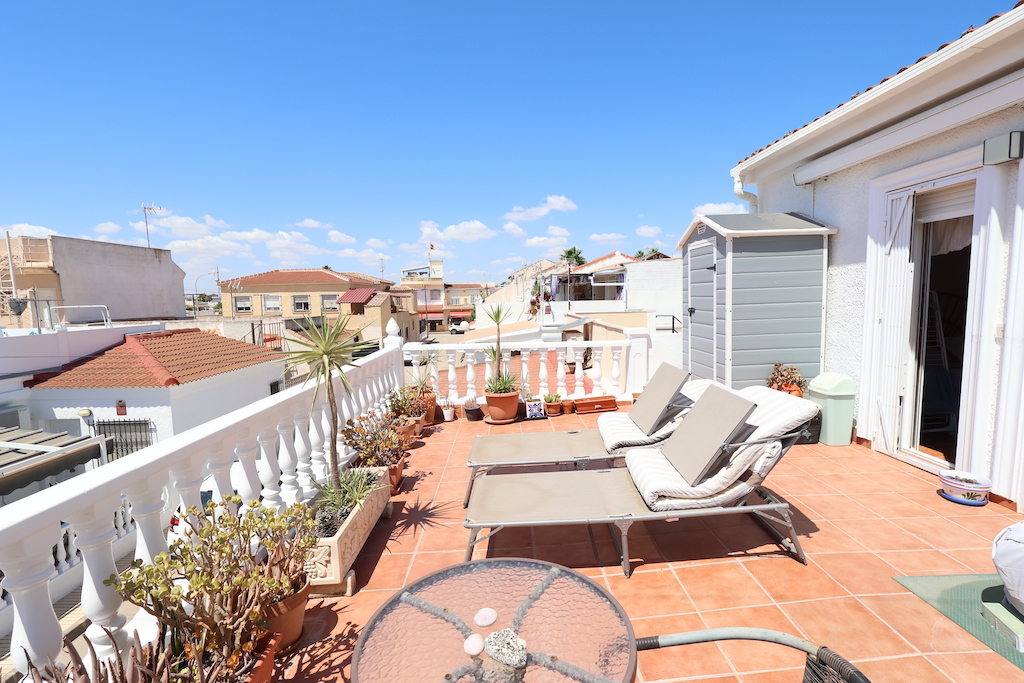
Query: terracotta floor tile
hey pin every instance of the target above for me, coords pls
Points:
(572, 555)
(784, 676)
(650, 594)
(383, 572)
(442, 537)
(848, 627)
(747, 655)
(825, 537)
(703, 659)
(786, 580)
(925, 627)
(893, 505)
(660, 526)
(826, 465)
(911, 561)
(518, 536)
(457, 473)
(721, 586)
(559, 535)
(425, 563)
(880, 534)
(839, 507)
(851, 483)
(451, 491)
(976, 560)
(751, 540)
(686, 547)
(905, 482)
(859, 573)
(801, 485)
(867, 465)
(988, 527)
(941, 534)
(913, 668)
(977, 667)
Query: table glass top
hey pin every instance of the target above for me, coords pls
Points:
(549, 624)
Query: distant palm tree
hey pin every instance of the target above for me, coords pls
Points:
(574, 256)
(644, 253)
(330, 348)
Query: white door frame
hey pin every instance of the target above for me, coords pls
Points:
(982, 314)
(690, 248)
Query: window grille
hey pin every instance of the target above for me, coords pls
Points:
(129, 435)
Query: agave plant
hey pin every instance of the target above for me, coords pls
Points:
(330, 350)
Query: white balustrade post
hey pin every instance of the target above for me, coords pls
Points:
(147, 509)
(304, 452)
(288, 459)
(542, 373)
(577, 356)
(270, 468)
(506, 360)
(187, 479)
(219, 463)
(317, 440)
(616, 370)
(247, 482)
(488, 368)
(62, 550)
(453, 386)
(597, 373)
(119, 522)
(435, 375)
(101, 604)
(560, 371)
(27, 565)
(471, 374)
(524, 370)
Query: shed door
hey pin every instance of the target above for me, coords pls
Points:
(702, 310)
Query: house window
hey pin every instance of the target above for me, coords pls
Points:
(243, 304)
(435, 295)
(129, 435)
(358, 309)
(329, 302)
(300, 303)
(271, 303)
(455, 299)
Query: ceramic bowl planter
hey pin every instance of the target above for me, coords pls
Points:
(964, 487)
(329, 562)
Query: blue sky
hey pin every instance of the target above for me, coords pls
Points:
(336, 133)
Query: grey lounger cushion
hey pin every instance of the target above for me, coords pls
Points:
(620, 433)
(657, 397)
(663, 488)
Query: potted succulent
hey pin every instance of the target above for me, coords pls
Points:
(344, 519)
(228, 580)
(553, 404)
(472, 409)
(447, 408)
(428, 400)
(378, 444)
(787, 379)
(402, 404)
(501, 390)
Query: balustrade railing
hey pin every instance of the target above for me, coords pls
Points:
(270, 449)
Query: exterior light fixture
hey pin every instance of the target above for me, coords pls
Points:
(1003, 148)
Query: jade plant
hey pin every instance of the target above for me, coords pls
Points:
(211, 588)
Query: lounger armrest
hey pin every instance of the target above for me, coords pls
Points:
(728, 447)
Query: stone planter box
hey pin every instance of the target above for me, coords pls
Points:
(329, 563)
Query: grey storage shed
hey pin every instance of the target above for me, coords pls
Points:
(754, 295)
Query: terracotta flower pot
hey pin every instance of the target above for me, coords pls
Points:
(502, 408)
(793, 390)
(567, 404)
(553, 408)
(409, 428)
(396, 475)
(263, 671)
(285, 617)
(418, 423)
(431, 407)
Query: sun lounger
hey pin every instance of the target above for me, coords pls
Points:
(664, 402)
(717, 457)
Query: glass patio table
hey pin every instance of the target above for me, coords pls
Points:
(498, 620)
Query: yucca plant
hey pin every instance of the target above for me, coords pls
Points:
(330, 349)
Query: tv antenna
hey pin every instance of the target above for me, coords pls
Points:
(146, 210)
(381, 267)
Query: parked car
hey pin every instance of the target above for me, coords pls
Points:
(459, 328)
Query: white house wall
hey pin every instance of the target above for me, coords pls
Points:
(656, 286)
(133, 282)
(21, 352)
(197, 402)
(142, 403)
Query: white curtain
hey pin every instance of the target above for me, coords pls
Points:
(951, 235)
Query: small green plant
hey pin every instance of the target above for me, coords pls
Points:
(785, 375)
(374, 438)
(552, 398)
(400, 401)
(426, 358)
(335, 505)
(502, 383)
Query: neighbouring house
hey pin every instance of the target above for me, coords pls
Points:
(521, 283)
(924, 307)
(293, 292)
(370, 310)
(147, 387)
(595, 286)
(438, 303)
(74, 278)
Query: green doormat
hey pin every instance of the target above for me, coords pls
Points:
(960, 598)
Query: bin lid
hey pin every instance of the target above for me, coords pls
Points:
(833, 384)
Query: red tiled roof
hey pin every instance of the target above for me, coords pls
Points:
(856, 95)
(359, 295)
(156, 359)
(303, 276)
(466, 285)
(379, 299)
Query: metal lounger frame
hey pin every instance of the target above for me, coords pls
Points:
(772, 510)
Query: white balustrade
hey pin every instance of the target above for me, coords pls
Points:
(317, 438)
(524, 374)
(616, 373)
(596, 374)
(542, 373)
(101, 604)
(560, 370)
(288, 460)
(304, 452)
(471, 374)
(453, 387)
(577, 357)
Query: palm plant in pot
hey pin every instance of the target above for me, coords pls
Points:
(227, 581)
(501, 390)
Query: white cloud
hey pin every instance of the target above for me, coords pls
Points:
(254, 235)
(26, 230)
(712, 208)
(514, 230)
(611, 238)
(309, 223)
(546, 241)
(557, 231)
(210, 245)
(340, 237)
(180, 226)
(648, 231)
(368, 257)
(377, 244)
(107, 228)
(292, 246)
(408, 246)
(663, 247)
(553, 202)
(466, 231)
(214, 222)
(510, 259)
(259, 263)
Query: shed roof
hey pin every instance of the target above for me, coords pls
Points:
(156, 359)
(357, 296)
(757, 225)
(30, 455)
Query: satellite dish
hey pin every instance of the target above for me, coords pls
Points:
(17, 306)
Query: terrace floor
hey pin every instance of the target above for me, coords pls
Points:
(863, 518)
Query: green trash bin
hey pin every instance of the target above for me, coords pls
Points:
(835, 393)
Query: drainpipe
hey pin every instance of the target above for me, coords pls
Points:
(738, 190)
